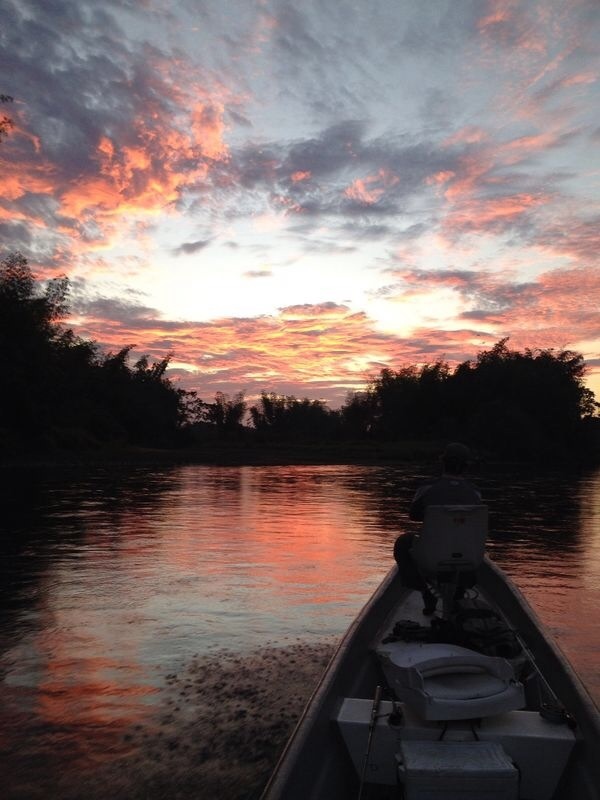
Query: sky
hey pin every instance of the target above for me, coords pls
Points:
(290, 196)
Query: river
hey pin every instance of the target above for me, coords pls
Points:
(125, 588)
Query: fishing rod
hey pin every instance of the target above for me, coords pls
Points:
(372, 725)
(553, 710)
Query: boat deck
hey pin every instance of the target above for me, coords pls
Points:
(522, 737)
(325, 757)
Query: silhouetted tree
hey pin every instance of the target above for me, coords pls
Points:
(59, 388)
(6, 123)
(522, 404)
(410, 403)
(226, 414)
(357, 415)
(31, 340)
(285, 418)
(525, 402)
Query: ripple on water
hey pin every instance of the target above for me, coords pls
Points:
(216, 731)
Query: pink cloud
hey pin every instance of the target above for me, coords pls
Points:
(372, 188)
(324, 350)
(139, 171)
(300, 175)
(493, 214)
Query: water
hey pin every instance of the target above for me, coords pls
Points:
(115, 578)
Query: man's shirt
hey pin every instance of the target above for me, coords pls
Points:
(448, 490)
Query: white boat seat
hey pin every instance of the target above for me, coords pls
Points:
(448, 682)
(450, 544)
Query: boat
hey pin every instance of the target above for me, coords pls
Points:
(418, 706)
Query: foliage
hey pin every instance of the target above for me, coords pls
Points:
(6, 123)
(59, 389)
(522, 404)
(285, 418)
(226, 414)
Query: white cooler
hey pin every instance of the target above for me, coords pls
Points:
(456, 771)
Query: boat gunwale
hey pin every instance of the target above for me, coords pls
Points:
(555, 667)
(300, 735)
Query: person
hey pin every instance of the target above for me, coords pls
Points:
(451, 488)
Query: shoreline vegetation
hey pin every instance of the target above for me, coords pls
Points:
(64, 400)
(235, 454)
(240, 455)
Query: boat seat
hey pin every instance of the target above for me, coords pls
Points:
(450, 545)
(448, 682)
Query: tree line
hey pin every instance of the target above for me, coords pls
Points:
(61, 390)
(522, 404)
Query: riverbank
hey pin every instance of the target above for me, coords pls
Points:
(233, 454)
(362, 453)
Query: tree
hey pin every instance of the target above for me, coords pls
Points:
(357, 414)
(285, 418)
(226, 414)
(59, 388)
(6, 123)
(31, 340)
(411, 402)
(530, 403)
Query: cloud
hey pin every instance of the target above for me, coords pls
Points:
(452, 141)
(561, 305)
(142, 134)
(189, 248)
(339, 172)
(112, 310)
(127, 132)
(258, 273)
(326, 349)
(576, 237)
(318, 349)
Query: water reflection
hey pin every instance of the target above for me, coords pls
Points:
(112, 578)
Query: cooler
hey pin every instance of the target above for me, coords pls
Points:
(456, 771)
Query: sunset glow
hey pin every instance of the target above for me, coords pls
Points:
(291, 197)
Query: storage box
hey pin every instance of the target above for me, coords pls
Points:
(526, 737)
(456, 771)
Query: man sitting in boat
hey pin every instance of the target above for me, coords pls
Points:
(452, 488)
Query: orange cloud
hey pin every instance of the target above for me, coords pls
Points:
(208, 130)
(144, 177)
(137, 172)
(370, 189)
(480, 173)
(326, 349)
(440, 177)
(515, 26)
(320, 346)
(498, 212)
(468, 135)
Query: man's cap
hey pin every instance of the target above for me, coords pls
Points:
(457, 452)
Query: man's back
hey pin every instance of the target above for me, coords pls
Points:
(447, 490)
